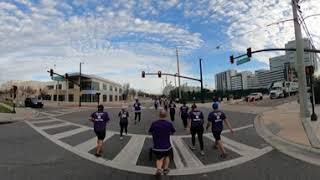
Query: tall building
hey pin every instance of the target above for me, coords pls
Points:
(223, 80)
(253, 82)
(267, 77)
(90, 85)
(240, 80)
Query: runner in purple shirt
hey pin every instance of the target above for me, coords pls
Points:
(137, 111)
(161, 131)
(215, 120)
(172, 107)
(100, 120)
(184, 109)
(196, 127)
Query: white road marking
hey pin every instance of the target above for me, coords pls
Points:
(176, 156)
(45, 121)
(130, 153)
(70, 133)
(196, 167)
(236, 147)
(54, 126)
(189, 157)
(90, 144)
(239, 128)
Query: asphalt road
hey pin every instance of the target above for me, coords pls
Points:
(27, 154)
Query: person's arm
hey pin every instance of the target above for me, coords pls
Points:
(209, 122)
(173, 130)
(91, 118)
(228, 125)
(151, 129)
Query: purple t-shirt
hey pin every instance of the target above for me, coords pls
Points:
(137, 107)
(100, 120)
(184, 111)
(161, 131)
(216, 118)
(196, 118)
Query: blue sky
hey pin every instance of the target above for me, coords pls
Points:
(117, 39)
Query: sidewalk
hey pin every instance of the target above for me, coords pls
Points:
(21, 114)
(283, 129)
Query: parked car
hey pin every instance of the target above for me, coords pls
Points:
(254, 96)
(33, 103)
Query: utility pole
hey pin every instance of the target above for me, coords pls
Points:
(201, 81)
(178, 67)
(80, 85)
(300, 63)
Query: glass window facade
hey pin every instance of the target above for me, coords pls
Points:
(104, 98)
(71, 98)
(110, 88)
(104, 87)
(110, 98)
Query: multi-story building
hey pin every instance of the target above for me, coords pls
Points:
(90, 85)
(267, 77)
(253, 82)
(240, 80)
(223, 80)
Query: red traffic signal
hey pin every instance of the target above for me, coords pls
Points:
(51, 72)
(249, 52)
(231, 59)
(143, 74)
(159, 74)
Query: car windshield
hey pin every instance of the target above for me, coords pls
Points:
(34, 100)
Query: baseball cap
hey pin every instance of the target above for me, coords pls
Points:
(215, 106)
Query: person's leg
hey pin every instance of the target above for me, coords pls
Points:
(172, 116)
(159, 165)
(185, 121)
(135, 116)
(166, 165)
(193, 137)
(200, 137)
(121, 129)
(139, 114)
(126, 128)
(99, 147)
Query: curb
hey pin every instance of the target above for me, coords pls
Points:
(297, 151)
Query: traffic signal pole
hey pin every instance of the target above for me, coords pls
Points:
(300, 63)
(201, 81)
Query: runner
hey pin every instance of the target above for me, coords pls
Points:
(156, 103)
(161, 131)
(124, 118)
(196, 121)
(172, 107)
(100, 120)
(137, 111)
(216, 119)
(184, 114)
(165, 104)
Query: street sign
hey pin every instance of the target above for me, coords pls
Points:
(58, 78)
(242, 61)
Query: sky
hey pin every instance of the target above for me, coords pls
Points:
(117, 39)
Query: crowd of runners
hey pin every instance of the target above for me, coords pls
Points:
(161, 129)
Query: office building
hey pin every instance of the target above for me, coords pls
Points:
(223, 80)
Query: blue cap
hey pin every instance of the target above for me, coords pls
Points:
(215, 105)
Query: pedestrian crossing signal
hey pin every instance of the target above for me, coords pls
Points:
(143, 74)
(159, 74)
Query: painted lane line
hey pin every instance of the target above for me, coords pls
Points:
(130, 153)
(62, 124)
(177, 156)
(239, 128)
(90, 144)
(236, 147)
(70, 133)
(47, 114)
(45, 121)
(188, 157)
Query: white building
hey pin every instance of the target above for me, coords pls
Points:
(253, 82)
(223, 80)
(90, 85)
(240, 80)
(267, 77)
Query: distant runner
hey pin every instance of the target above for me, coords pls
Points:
(196, 121)
(161, 131)
(137, 111)
(165, 104)
(156, 104)
(216, 119)
(184, 109)
(100, 120)
(124, 120)
(172, 107)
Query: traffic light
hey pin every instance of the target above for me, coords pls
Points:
(66, 76)
(249, 52)
(231, 59)
(159, 74)
(143, 74)
(51, 72)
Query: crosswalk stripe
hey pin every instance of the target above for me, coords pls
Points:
(70, 133)
(45, 121)
(236, 147)
(90, 144)
(188, 157)
(176, 156)
(239, 128)
(54, 126)
(130, 153)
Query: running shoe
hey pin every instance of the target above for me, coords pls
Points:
(158, 172)
(224, 156)
(97, 155)
(166, 171)
(193, 147)
(202, 153)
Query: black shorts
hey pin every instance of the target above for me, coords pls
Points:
(217, 135)
(162, 154)
(100, 134)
